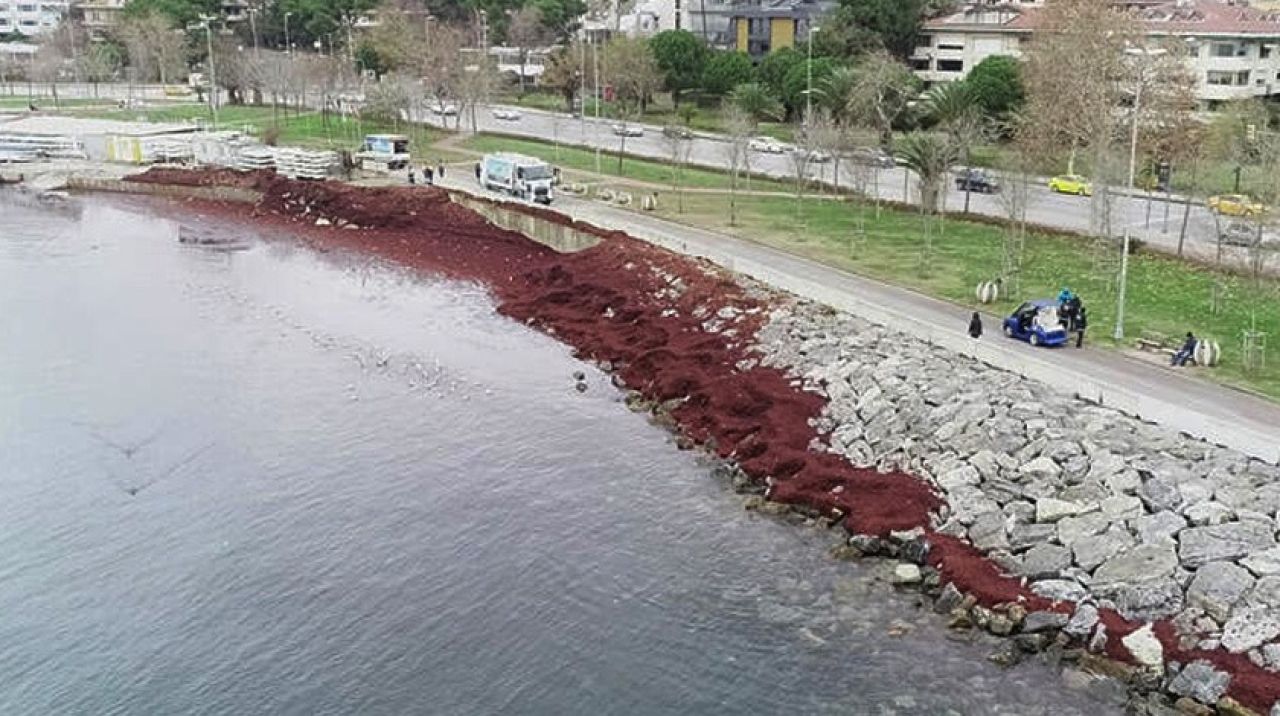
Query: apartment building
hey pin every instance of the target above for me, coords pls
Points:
(100, 15)
(1233, 49)
(30, 17)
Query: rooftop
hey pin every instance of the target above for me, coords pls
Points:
(1211, 17)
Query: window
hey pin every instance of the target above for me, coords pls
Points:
(1223, 49)
(950, 46)
(1264, 51)
(1242, 78)
(1221, 79)
(922, 41)
(26, 8)
(951, 65)
(920, 65)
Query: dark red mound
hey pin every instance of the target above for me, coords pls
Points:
(642, 309)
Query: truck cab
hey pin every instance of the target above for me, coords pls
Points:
(520, 176)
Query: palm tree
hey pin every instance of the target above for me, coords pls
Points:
(834, 94)
(929, 156)
(954, 107)
(756, 102)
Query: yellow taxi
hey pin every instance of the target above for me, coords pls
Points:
(1235, 205)
(1071, 184)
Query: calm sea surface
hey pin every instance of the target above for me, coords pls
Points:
(272, 481)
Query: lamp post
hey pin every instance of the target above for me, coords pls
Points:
(808, 92)
(1145, 54)
(205, 24)
(253, 28)
(288, 47)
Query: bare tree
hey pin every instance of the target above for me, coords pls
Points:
(1015, 198)
(635, 78)
(99, 63)
(739, 126)
(48, 66)
(155, 46)
(390, 99)
(678, 148)
(526, 32)
(882, 94)
(825, 139)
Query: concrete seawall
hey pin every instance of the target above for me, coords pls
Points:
(513, 217)
(208, 193)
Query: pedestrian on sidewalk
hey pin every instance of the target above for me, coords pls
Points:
(427, 177)
(477, 171)
(1186, 352)
(1082, 322)
(975, 326)
(412, 180)
(440, 169)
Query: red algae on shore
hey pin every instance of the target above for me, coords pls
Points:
(678, 331)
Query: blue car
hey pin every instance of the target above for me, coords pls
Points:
(1037, 323)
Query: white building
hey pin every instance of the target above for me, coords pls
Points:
(645, 18)
(1234, 50)
(31, 17)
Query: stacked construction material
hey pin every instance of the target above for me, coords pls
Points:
(220, 148)
(166, 149)
(254, 157)
(304, 164)
(52, 146)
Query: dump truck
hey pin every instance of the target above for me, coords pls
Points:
(517, 175)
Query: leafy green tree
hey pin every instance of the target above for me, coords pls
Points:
(773, 69)
(996, 83)
(680, 56)
(756, 102)
(560, 17)
(180, 12)
(892, 24)
(312, 19)
(726, 70)
(796, 85)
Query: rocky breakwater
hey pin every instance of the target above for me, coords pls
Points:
(1125, 538)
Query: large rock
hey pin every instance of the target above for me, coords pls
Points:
(1208, 513)
(1159, 494)
(1264, 564)
(1143, 601)
(988, 533)
(1071, 529)
(1143, 563)
(1217, 587)
(1158, 527)
(1082, 621)
(1042, 467)
(1043, 621)
(1093, 550)
(1025, 535)
(1200, 545)
(1145, 648)
(1060, 590)
(1045, 561)
(1122, 507)
(963, 475)
(1265, 593)
(1049, 509)
(1200, 681)
(1249, 629)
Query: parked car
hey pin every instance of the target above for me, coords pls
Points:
(817, 156)
(1239, 233)
(977, 180)
(1235, 205)
(506, 115)
(676, 132)
(628, 130)
(768, 145)
(1037, 323)
(872, 156)
(1071, 184)
(444, 109)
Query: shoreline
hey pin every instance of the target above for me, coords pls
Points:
(681, 334)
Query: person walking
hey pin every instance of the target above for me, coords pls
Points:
(1082, 322)
(1186, 352)
(427, 176)
(440, 169)
(975, 326)
(412, 181)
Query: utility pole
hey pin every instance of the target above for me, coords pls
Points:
(253, 28)
(288, 46)
(808, 92)
(206, 24)
(582, 87)
(595, 64)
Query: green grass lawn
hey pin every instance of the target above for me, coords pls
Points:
(584, 160)
(1164, 294)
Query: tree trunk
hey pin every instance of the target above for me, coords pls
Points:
(1186, 210)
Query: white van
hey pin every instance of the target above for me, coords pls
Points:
(518, 175)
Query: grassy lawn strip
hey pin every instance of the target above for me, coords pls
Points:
(643, 170)
(1164, 294)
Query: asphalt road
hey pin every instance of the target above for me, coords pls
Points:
(1159, 224)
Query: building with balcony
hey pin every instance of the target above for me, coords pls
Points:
(30, 17)
(1233, 50)
(100, 15)
(754, 26)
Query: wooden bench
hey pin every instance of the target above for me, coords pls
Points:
(1153, 342)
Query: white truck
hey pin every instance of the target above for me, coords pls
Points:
(384, 152)
(518, 175)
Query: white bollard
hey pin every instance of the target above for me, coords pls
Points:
(987, 292)
(1207, 353)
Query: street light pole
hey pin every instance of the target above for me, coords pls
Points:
(253, 28)
(1145, 54)
(808, 92)
(206, 25)
(288, 47)
(595, 70)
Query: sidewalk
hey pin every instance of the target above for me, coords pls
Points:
(1175, 400)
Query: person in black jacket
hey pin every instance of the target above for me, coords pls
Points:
(1082, 322)
(975, 326)
(1186, 352)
